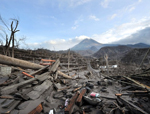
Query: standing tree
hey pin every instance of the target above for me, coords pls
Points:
(4, 36)
(107, 66)
(13, 31)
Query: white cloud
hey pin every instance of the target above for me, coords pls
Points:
(127, 9)
(71, 3)
(93, 17)
(113, 35)
(122, 31)
(105, 3)
(113, 16)
(139, 0)
(62, 3)
(76, 23)
(52, 42)
(58, 44)
(131, 9)
(82, 37)
(74, 3)
(52, 17)
(74, 27)
(142, 36)
(133, 19)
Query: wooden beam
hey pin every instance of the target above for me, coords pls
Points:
(79, 99)
(39, 71)
(69, 108)
(127, 103)
(13, 88)
(138, 83)
(37, 110)
(55, 66)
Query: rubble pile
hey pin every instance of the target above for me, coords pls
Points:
(75, 89)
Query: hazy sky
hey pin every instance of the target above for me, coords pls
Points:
(61, 24)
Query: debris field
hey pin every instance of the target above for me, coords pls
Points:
(69, 86)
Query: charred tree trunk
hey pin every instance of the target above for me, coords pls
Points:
(107, 66)
(13, 31)
(13, 46)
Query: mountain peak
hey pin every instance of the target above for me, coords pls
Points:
(86, 44)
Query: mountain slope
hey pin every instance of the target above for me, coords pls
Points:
(85, 52)
(88, 47)
(138, 45)
(136, 56)
(113, 52)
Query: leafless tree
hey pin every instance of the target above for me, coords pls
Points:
(13, 29)
(106, 59)
(3, 37)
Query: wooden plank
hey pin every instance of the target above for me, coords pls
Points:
(31, 106)
(10, 108)
(13, 88)
(7, 97)
(38, 90)
(14, 112)
(23, 105)
(7, 103)
(55, 66)
(2, 101)
(138, 83)
(60, 88)
(3, 79)
(27, 74)
(79, 99)
(34, 103)
(38, 71)
(37, 110)
(47, 60)
(71, 64)
(69, 108)
(127, 103)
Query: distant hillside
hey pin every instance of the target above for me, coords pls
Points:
(85, 52)
(136, 56)
(86, 44)
(138, 45)
(113, 52)
(89, 47)
(93, 48)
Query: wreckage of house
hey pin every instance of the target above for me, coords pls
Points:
(69, 85)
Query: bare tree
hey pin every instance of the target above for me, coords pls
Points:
(4, 37)
(13, 30)
(107, 66)
(68, 60)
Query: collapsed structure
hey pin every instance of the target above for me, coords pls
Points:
(70, 86)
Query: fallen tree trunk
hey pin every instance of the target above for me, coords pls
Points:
(18, 62)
